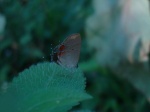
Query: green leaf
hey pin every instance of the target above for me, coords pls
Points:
(45, 87)
(82, 111)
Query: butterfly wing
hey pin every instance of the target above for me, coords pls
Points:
(69, 51)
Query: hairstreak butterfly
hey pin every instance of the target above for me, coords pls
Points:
(67, 53)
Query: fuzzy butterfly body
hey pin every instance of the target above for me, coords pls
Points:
(68, 52)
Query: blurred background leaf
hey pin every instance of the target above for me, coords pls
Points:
(118, 31)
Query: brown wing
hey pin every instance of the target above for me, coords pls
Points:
(70, 51)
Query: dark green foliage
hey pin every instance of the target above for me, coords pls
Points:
(32, 26)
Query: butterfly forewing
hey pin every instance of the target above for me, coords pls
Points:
(69, 51)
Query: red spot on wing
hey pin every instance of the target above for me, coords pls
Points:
(61, 50)
(62, 47)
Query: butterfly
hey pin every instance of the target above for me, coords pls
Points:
(67, 53)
